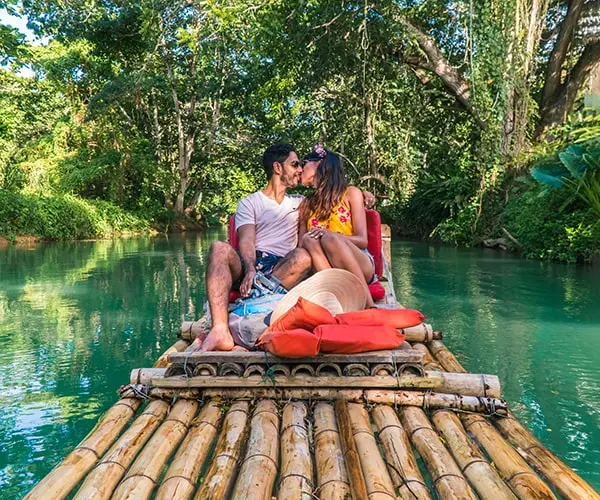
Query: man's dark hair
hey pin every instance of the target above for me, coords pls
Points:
(275, 153)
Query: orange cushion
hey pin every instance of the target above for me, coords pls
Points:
(396, 318)
(305, 314)
(349, 339)
(296, 343)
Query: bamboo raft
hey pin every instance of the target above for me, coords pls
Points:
(409, 423)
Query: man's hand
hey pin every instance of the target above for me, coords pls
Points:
(369, 199)
(246, 285)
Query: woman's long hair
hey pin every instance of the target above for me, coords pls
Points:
(331, 186)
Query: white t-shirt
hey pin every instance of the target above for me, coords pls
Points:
(276, 224)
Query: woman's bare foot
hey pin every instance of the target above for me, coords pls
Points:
(218, 339)
(240, 348)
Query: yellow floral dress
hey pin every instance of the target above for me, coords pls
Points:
(339, 221)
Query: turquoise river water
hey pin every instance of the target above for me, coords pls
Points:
(75, 318)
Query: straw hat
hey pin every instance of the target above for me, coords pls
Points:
(337, 290)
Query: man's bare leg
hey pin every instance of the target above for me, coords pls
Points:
(224, 267)
(293, 268)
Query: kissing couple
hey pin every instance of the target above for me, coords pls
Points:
(284, 237)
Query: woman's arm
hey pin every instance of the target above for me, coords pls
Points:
(354, 198)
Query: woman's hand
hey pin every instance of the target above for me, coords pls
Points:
(316, 232)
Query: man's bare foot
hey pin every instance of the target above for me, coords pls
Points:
(218, 339)
(196, 345)
(240, 348)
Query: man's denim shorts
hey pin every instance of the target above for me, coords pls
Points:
(265, 263)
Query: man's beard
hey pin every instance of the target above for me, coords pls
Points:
(289, 180)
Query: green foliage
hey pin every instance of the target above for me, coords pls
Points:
(577, 169)
(536, 220)
(63, 217)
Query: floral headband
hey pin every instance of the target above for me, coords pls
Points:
(320, 150)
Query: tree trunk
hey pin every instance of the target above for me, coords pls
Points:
(555, 111)
(560, 51)
(520, 69)
(438, 64)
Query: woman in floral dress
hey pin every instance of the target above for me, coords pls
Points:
(333, 222)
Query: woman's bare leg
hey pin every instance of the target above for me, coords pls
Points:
(363, 260)
(341, 256)
(314, 248)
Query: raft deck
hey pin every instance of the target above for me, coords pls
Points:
(195, 435)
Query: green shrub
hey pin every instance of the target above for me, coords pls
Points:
(63, 217)
(536, 220)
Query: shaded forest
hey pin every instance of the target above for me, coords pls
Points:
(471, 121)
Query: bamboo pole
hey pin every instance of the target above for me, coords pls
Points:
(358, 485)
(180, 480)
(559, 475)
(419, 333)
(429, 362)
(448, 480)
(468, 384)
(515, 470)
(259, 468)
(422, 399)
(179, 346)
(144, 376)
(66, 475)
(445, 357)
(485, 480)
(377, 480)
(139, 390)
(104, 478)
(306, 394)
(189, 330)
(437, 400)
(402, 464)
(219, 476)
(541, 458)
(333, 482)
(296, 480)
(145, 471)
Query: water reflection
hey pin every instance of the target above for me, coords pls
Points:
(75, 318)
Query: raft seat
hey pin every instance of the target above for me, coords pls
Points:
(374, 245)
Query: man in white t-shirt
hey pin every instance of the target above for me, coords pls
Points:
(267, 227)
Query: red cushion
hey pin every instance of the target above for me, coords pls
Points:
(377, 291)
(305, 314)
(350, 339)
(291, 344)
(395, 318)
(374, 244)
(232, 236)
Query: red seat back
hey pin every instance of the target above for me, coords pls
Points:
(374, 243)
(373, 237)
(232, 237)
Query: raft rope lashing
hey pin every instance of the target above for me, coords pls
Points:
(269, 373)
(400, 470)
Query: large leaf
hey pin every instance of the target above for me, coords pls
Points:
(573, 161)
(550, 174)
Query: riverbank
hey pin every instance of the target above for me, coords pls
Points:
(532, 223)
(27, 219)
